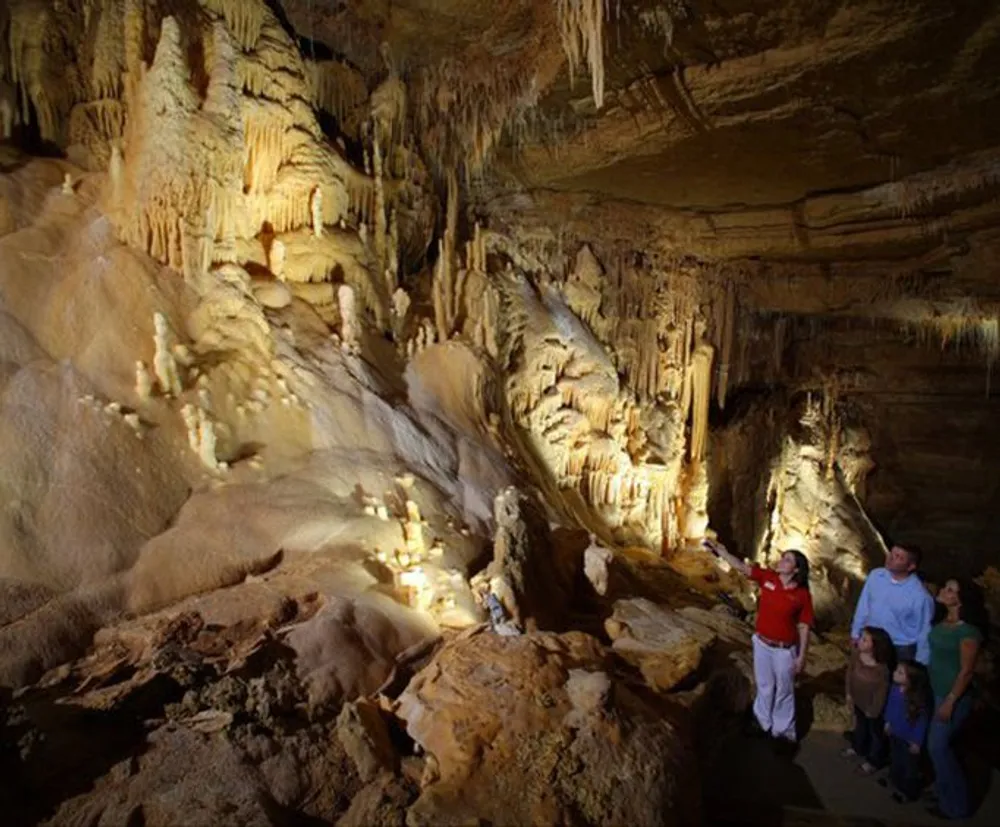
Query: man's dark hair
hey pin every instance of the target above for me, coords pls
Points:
(916, 556)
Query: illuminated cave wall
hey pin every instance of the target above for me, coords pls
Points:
(602, 361)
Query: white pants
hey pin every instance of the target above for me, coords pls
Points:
(774, 674)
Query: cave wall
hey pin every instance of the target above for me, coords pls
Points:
(933, 415)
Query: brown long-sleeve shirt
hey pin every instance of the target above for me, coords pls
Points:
(867, 685)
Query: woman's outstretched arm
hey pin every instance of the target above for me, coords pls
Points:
(734, 561)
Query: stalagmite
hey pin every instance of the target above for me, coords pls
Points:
(276, 260)
(164, 364)
(190, 419)
(206, 441)
(400, 307)
(316, 210)
(143, 382)
(349, 331)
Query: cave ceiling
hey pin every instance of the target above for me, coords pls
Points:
(761, 133)
(713, 105)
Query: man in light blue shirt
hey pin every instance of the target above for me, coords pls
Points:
(894, 598)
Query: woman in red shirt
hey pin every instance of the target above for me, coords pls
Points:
(784, 616)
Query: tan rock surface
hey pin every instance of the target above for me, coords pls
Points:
(665, 645)
(505, 742)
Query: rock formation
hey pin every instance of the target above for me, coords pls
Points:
(371, 372)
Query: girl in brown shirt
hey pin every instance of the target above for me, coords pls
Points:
(868, 681)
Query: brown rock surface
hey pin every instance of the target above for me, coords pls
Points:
(505, 742)
(665, 645)
(365, 738)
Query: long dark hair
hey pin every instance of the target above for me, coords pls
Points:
(801, 574)
(882, 648)
(972, 608)
(918, 689)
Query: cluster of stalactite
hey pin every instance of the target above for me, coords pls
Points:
(217, 167)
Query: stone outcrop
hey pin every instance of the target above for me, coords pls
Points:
(666, 646)
(534, 730)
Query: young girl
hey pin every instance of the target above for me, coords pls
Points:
(907, 715)
(867, 687)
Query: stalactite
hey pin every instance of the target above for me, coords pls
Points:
(701, 395)
(779, 328)
(687, 348)
(392, 254)
(388, 110)
(134, 26)
(336, 88)
(581, 26)
(45, 84)
(728, 320)
(381, 224)
(108, 66)
(245, 19)
(833, 445)
(447, 295)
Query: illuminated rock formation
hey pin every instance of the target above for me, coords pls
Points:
(329, 332)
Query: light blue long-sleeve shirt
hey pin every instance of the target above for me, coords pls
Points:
(904, 608)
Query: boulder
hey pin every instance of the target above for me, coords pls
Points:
(534, 730)
(382, 803)
(363, 734)
(665, 645)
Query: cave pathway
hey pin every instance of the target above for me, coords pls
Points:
(749, 785)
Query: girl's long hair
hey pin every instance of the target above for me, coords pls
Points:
(882, 648)
(918, 689)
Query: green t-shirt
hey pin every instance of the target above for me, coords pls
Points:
(946, 654)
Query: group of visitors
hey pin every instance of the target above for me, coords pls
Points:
(909, 678)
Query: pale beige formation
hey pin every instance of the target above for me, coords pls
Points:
(371, 372)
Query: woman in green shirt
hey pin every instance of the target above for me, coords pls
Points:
(954, 644)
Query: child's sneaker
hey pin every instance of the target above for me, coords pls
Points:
(848, 752)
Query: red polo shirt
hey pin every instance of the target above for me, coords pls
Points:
(780, 610)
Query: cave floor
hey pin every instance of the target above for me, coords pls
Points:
(750, 785)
